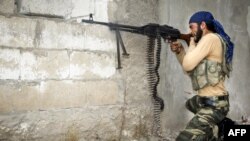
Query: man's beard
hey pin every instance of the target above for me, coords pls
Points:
(198, 35)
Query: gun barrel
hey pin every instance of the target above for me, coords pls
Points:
(114, 26)
(148, 30)
(95, 22)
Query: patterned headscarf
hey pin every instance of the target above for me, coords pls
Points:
(207, 17)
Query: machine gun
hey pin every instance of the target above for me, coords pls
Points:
(151, 30)
(154, 32)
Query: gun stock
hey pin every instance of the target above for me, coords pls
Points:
(186, 37)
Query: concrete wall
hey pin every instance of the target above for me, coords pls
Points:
(234, 15)
(58, 77)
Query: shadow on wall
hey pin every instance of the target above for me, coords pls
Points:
(238, 84)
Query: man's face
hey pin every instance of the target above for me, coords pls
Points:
(196, 31)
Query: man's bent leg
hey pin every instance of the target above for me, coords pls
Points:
(192, 104)
(203, 126)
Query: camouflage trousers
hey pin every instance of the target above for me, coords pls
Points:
(209, 111)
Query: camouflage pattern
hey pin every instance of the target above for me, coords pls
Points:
(208, 113)
(207, 72)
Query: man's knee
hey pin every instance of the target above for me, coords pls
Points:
(188, 136)
(184, 136)
(192, 105)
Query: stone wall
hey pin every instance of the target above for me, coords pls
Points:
(58, 77)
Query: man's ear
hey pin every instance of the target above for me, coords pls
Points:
(203, 25)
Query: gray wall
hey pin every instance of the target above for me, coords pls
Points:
(235, 17)
(58, 77)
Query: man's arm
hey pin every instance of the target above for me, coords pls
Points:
(180, 55)
(178, 49)
(196, 53)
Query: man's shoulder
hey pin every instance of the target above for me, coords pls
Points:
(212, 37)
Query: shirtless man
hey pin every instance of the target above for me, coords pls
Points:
(207, 61)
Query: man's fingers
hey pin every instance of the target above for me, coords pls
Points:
(174, 48)
(176, 43)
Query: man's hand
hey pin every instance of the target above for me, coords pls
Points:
(192, 42)
(176, 47)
